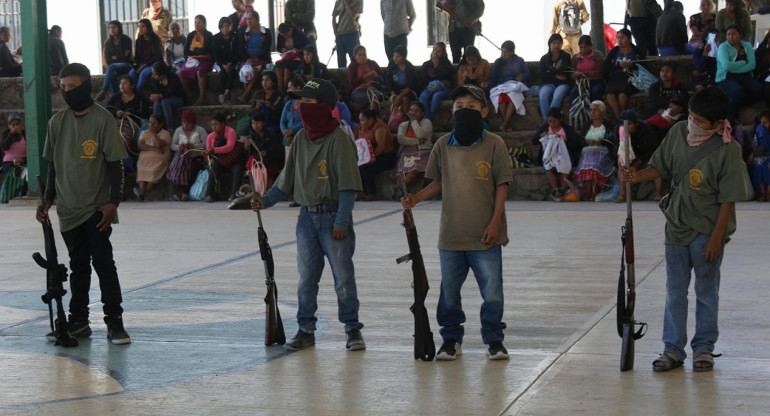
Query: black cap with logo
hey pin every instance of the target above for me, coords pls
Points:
(320, 89)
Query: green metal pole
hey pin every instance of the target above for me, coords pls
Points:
(37, 85)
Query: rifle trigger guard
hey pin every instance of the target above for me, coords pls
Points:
(642, 329)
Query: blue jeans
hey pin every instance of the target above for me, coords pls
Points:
(680, 261)
(432, 102)
(314, 241)
(111, 76)
(140, 78)
(559, 94)
(596, 90)
(345, 45)
(669, 51)
(166, 107)
(487, 266)
(742, 88)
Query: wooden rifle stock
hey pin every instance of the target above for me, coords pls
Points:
(424, 347)
(56, 275)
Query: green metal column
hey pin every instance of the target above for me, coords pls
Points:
(37, 85)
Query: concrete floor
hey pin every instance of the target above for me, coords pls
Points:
(193, 284)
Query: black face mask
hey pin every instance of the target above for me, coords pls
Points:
(79, 99)
(468, 126)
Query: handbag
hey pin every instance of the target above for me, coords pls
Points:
(396, 119)
(641, 78)
(579, 110)
(14, 184)
(365, 151)
(704, 151)
(199, 189)
(246, 73)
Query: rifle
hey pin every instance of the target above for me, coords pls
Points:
(56, 275)
(424, 348)
(453, 15)
(627, 290)
(273, 325)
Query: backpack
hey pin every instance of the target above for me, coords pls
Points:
(569, 18)
(520, 156)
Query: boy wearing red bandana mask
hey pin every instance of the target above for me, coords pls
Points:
(700, 219)
(321, 175)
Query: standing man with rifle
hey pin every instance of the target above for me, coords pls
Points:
(708, 178)
(464, 24)
(85, 172)
(321, 174)
(471, 169)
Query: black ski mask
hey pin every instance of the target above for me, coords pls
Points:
(79, 99)
(468, 126)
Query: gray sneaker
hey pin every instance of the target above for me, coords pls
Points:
(449, 350)
(300, 341)
(355, 340)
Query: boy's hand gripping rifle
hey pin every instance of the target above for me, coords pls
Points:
(56, 275)
(424, 347)
(273, 325)
(627, 290)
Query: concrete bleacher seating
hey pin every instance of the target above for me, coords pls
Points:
(529, 184)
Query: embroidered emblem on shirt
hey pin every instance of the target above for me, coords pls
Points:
(89, 148)
(323, 165)
(696, 176)
(482, 170)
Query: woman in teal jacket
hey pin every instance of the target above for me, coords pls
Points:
(735, 63)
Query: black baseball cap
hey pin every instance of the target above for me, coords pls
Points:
(320, 89)
(471, 90)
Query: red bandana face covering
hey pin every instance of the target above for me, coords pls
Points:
(696, 136)
(317, 120)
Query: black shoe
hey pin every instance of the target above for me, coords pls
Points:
(115, 332)
(78, 329)
(300, 341)
(496, 351)
(449, 350)
(355, 340)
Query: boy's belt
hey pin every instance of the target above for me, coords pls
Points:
(327, 207)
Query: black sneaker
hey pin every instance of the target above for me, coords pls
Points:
(300, 341)
(355, 340)
(78, 329)
(115, 332)
(449, 350)
(496, 351)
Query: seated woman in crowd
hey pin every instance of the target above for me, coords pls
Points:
(362, 73)
(189, 144)
(403, 81)
(291, 121)
(175, 47)
(265, 142)
(167, 93)
(226, 55)
(561, 147)
(226, 155)
(735, 63)
(596, 159)
(733, 14)
(473, 70)
(129, 109)
(13, 145)
(199, 54)
(154, 155)
(269, 101)
(675, 111)
(701, 24)
(622, 57)
(589, 66)
(291, 43)
(311, 67)
(705, 69)
(147, 51)
(506, 83)
(116, 56)
(255, 53)
(554, 73)
(759, 159)
(377, 133)
(415, 138)
(437, 80)
(666, 88)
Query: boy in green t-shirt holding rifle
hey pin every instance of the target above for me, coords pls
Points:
(471, 168)
(700, 218)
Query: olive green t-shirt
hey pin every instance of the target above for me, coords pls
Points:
(720, 177)
(469, 178)
(80, 148)
(317, 171)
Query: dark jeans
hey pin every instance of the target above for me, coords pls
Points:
(236, 174)
(743, 89)
(643, 29)
(382, 163)
(227, 79)
(346, 44)
(10, 73)
(87, 245)
(391, 43)
(458, 40)
(597, 90)
(166, 107)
